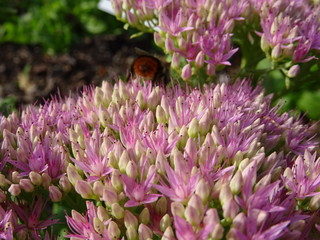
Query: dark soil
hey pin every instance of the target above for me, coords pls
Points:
(31, 76)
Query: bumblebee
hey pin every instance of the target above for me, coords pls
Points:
(147, 67)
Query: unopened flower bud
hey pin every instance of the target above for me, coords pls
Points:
(73, 174)
(160, 115)
(131, 169)
(153, 100)
(55, 194)
(35, 178)
(139, 149)
(203, 190)
(145, 233)
(236, 183)
(192, 215)
(288, 173)
(84, 189)
(102, 214)
(177, 209)
(144, 216)
(14, 189)
(98, 188)
(161, 206)
(3, 181)
(265, 181)
(165, 222)
(15, 177)
(160, 160)
(199, 59)
(210, 69)
(165, 105)
(288, 50)
(276, 52)
(116, 180)
(113, 161)
(239, 222)
(168, 234)
(169, 45)
(65, 184)
(193, 128)
(217, 231)
(204, 123)
(109, 196)
(98, 96)
(141, 101)
(77, 217)
(98, 225)
(315, 203)
(26, 185)
(196, 202)
(123, 161)
(243, 164)
(225, 194)
(264, 43)
(186, 72)
(183, 137)
(114, 230)
(212, 217)
(175, 62)
(123, 91)
(182, 43)
(46, 180)
(130, 220)
(117, 211)
(229, 25)
(293, 71)
(131, 233)
(158, 39)
(230, 209)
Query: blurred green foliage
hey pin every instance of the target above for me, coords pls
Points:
(303, 94)
(55, 25)
(7, 106)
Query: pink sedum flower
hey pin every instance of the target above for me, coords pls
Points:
(31, 218)
(139, 193)
(215, 157)
(83, 227)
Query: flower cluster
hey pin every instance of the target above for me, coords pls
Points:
(199, 34)
(137, 161)
(290, 30)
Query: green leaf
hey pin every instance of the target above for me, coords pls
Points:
(309, 102)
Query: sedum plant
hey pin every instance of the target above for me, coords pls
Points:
(139, 161)
(201, 37)
(136, 161)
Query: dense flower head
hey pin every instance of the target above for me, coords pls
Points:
(202, 34)
(290, 29)
(178, 163)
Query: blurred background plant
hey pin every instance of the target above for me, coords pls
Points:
(55, 25)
